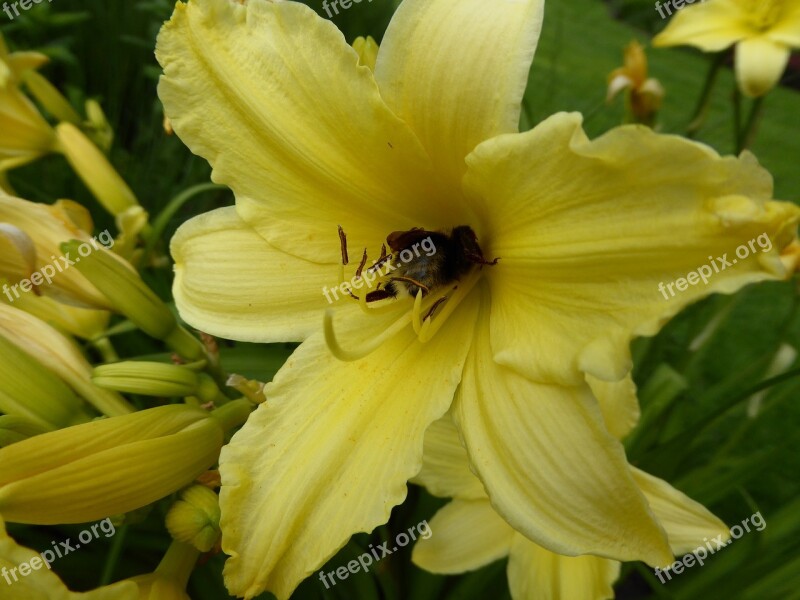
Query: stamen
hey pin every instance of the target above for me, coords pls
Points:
(431, 326)
(361, 265)
(416, 312)
(343, 245)
(367, 348)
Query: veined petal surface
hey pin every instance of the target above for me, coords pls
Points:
(710, 26)
(549, 465)
(329, 453)
(273, 97)
(456, 71)
(538, 574)
(233, 284)
(591, 233)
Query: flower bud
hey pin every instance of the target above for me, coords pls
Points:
(110, 466)
(155, 379)
(194, 519)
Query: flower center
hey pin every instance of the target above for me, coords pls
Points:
(432, 267)
(763, 14)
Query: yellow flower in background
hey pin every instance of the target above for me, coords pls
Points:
(643, 95)
(111, 466)
(764, 32)
(469, 534)
(584, 230)
(30, 237)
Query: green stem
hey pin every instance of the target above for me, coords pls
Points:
(106, 349)
(701, 110)
(737, 118)
(173, 206)
(113, 556)
(234, 413)
(178, 563)
(748, 133)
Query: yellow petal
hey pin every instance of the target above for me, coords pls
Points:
(787, 29)
(111, 466)
(41, 583)
(618, 403)
(710, 26)
(760, 62)
(81, 322)
(551, 469)
(467, 534)
(24, 134)
(329, 453)
(231, 283)
(586, 235)
(686, 522)
(445, 464)
(273, 97)
(538, 574)
(457, 72)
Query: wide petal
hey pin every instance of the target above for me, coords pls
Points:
(467, 534)
(330, 451)
(538, 574)
(233, 284)
(456, 72)
(595, 236)
(445, 464)
(710, 26)
(787, 29)
(687, 523)
(549, 465)
(760, 62)
(273, 97)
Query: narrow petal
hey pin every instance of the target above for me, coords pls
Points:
(595, 238)
(710, 26)
(330, 452)
(538, 574)
(456, 72)
(760, 62)
(273, 97)
(687, 523)
(445, 464)
(233, 284)
(551, 469)
(467, 535)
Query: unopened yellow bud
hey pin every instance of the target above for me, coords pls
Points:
(156, 379)
(98, 126)
(111, 466)
(93, 168)
(129, 295)
(59, 355)
(194, 519)
(49, 97)
(14, 429)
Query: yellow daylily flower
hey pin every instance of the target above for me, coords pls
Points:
(39, 582)
(469, 534)
(585, 231)
(111, 466)
(764, 32)
(32, 261)
(24, 134)
(643, 94)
